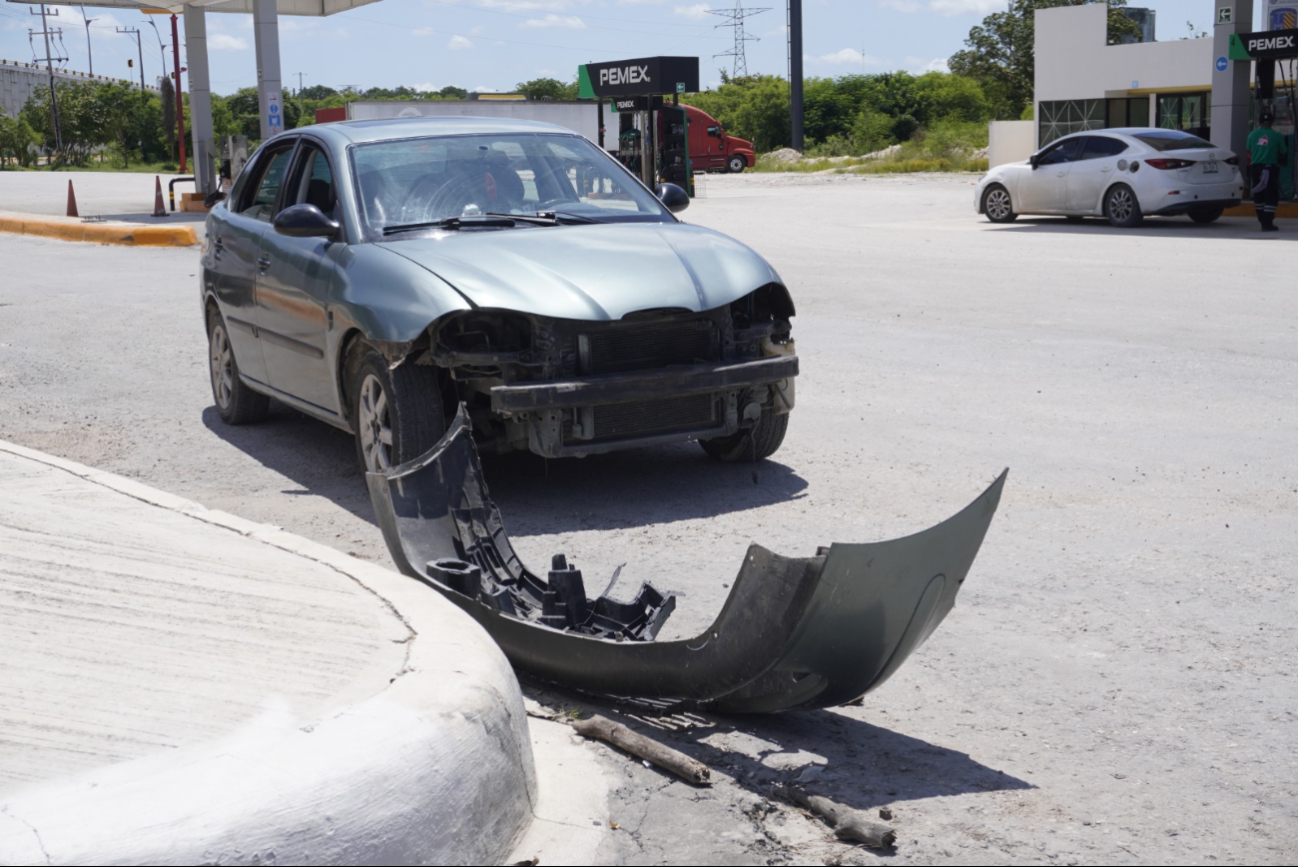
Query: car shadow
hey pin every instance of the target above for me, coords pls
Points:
(1226, 229)
(854, 762)
(631, 488)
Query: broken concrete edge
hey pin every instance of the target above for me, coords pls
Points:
(73, 229)
(1284, 209)
(435, 769)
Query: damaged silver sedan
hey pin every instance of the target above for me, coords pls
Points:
(377, 274)
(794, 633)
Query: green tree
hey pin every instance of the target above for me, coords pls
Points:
(944, 97)
(167, 94)
(18, 141)
(1000, 52)
(453, 92)
(316, 91)
(547, 88)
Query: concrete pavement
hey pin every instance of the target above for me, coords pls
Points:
(35, 203)
(181, 686)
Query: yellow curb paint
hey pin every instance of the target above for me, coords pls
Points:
(1283, 210)
(126, 234)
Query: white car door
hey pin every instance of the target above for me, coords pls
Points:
(1045, 189)
(1091, 173)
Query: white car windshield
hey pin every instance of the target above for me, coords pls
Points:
(427, 180)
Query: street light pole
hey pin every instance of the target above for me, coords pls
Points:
(134, 31)
(180, 105)
(90, 54)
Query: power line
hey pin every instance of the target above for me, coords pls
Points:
(737, 16)
(49, 65)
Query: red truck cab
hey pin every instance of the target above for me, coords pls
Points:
(712, 149)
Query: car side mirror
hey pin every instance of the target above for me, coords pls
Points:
(213, 199)
(673, 197)
(305, 221)
(1035, 160)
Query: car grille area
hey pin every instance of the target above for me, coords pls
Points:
(646, 418)
(644, 347)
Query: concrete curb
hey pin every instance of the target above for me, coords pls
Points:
(72, 229)
(1287, 210)
(435, 769)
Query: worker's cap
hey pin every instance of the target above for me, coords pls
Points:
(1267, 118)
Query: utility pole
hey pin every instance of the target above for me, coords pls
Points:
(138, 47)
(89, 54)
(795, 73)
(736, 18)
(49, 65)
(299, 81)
(162, 49)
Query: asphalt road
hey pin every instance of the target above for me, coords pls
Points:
(1114, 685)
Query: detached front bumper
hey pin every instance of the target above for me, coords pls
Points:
(602, 413)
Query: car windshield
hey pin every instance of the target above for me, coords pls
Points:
(1173, 140)
(426, 180)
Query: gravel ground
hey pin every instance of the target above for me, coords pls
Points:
(1114, 685)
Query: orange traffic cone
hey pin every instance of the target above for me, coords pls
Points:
(159, 208)
(72, 201)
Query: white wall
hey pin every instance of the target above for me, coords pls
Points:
(1074, 61)
(1011, 141)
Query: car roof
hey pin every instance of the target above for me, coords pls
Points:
(363, 131)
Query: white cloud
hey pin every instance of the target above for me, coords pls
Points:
(845, 56)
(526, 5)
(901, 5)
(939, 64)
(482, 88)
(226, 42)
(966, 7)
(426, 88)
(459, 43)
(423, 31)
(571, 22)
(697, 12)
(638, 2)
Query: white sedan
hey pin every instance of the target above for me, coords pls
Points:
(1123, 175)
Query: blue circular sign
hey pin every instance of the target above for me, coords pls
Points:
(1222, 63)
(274, 107)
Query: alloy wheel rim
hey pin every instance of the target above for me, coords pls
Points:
(998, 204)
(1120, 205)
(375, 425)
(222, 368)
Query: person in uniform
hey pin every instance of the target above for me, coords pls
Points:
(1268, 152)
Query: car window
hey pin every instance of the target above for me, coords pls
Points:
(1099, 146)
(314, 182)
(1172, 140)
(423, 180)
(261, 204)
(1064, 152)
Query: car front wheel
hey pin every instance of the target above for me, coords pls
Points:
(997, 205)
(758, 442)
(396, 412)
(736, 164)
(1206, 215)
(1122, 208)
(236, 403)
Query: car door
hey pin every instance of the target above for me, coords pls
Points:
(1045, 189)
(1090, 175)
(295, 285)
(235, 243)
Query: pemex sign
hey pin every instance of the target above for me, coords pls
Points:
(643, 76)
(1267, 45)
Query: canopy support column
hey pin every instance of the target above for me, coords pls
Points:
(200, 99)
(1231, 101)
(265, 24)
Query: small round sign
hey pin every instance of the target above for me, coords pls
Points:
(1222, 63)
(274, 108)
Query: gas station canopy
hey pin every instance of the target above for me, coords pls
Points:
(317, 8)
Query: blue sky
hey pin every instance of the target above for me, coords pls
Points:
(493, 44)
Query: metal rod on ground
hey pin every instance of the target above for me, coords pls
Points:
(848, 824)
(604, 729)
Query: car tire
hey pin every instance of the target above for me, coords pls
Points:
(396, 413)
(757, 443)
(236, 403)
(1208, 214)
(1122, 208)
(997, 205)
(736, 164)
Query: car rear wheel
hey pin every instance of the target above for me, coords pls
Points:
(758, 442)
(736, 164)
(1122, 208)
(1206, 215)
(396, 412)
(236, 403)
(997, 205)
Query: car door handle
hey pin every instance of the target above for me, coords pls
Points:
(263, 264)
(218, 246)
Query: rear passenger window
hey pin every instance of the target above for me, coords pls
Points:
(1102, 146)
(262, 204)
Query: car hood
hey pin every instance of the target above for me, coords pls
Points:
(591, 272)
